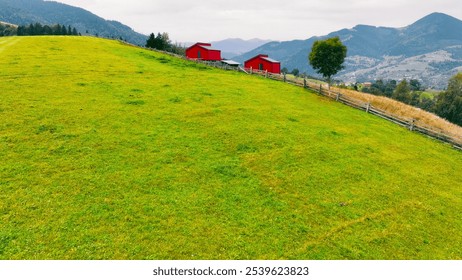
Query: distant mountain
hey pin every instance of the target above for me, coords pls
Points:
(234, 47)
(429, 50)
(24, 12)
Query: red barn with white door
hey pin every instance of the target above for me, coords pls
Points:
(263, 63)
(203, 51)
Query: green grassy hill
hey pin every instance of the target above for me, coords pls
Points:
(114, 152)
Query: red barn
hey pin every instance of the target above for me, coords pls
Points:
(203, 51)
(264, 63)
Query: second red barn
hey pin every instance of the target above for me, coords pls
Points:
(263, 63)
(203, 51)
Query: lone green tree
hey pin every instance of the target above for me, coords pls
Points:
(327, 57)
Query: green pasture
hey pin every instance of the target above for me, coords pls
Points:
(114, 152)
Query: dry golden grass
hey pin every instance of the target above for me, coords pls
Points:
(422, 117)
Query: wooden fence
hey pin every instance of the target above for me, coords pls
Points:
(409, 123)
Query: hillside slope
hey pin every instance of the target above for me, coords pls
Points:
(115, 152)
(25, 12)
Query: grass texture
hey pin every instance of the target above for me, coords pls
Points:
(114, 152)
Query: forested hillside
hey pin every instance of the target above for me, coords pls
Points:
(25, 12)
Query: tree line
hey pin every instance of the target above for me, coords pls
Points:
(409, 92)
(38, 29)
(162, 42)
(446, 104)
(449, 102)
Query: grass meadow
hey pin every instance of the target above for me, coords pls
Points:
(115, 152)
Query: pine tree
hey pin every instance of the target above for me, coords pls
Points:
(47, 30)
(21, 31)
(38, 29)
(158, 42)
(57, 29)
(31, 30)
(151, 41)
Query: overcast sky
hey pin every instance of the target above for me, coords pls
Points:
(212, 20)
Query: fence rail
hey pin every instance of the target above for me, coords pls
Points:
(339, 97)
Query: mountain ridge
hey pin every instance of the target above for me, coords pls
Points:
(232, 47)
(370, 49)
(24, 12)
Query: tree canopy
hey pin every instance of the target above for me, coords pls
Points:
(411, 92)
(449, 104)
(162, 42)
(402, 92)
(159, 42)
(327, 57)
(38, 29)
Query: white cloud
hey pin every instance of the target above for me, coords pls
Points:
(208, 20)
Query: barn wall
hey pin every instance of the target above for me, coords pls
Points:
(206, 54)
(214, 55)
(276, 68)
(269, 66)
(192, 52)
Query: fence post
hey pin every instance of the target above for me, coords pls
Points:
(368, 107)
(285, 79)
(320, 89)
(304, 82)
(411, 127)
(338, 96)
(266, 73)
(250, 70)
